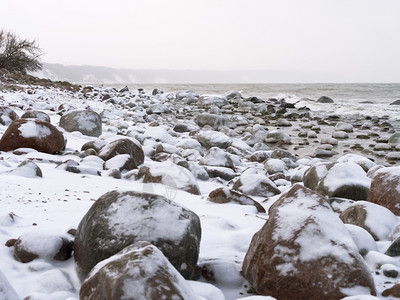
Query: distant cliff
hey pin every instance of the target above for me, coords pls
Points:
(95, 75)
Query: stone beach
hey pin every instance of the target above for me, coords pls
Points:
(266, 178)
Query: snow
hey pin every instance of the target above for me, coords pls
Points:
(32, 129)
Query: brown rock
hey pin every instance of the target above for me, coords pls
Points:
(36, 134)
(122, 146)
(10, 242)
(34, 114)
(224, 195)
(304, 251)
(394, 291)
(385, 189)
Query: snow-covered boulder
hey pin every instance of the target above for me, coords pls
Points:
(7, 115)
(118, 219)
(32, 245)
(27, 169)
(385, 188)
(278, 136)
(123, 146)
(360, 160)
(36, 114)
(209, 139)
(87, 122)
(305, 244)
(218, 158)
(362, 238)
(343, 126)
(139, 271)
(171, 175)
(254, 183)
(275, 165)
(345, 180)
(376, 219)
(225, 195)
(32, 133)
(122, 162)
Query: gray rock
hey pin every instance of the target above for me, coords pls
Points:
(209, 139)
(7, 115)
(87, 122)
(34, 114)
(277, 136)
(139, 271)
(394, 139)
(119, 219)
(215, 121)
(325, 99)
(397, 102)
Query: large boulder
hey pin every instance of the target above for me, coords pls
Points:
(345, 180)
(139, 271)
(123, 146)
(304, 251)
(7, 115)
(119, 219)
(32, 133)
(87, 122)
(325, 99)
(313, 175)
(376, 219)
(385, 188)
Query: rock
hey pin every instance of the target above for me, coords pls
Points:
(158, 109)
(394, 248)
(218, 158)
(362, 238)
(345, 180)
(123, 146)
(394, 291)
(34, 114)
(124, 89)
(315, 173)
(360, 160)
(225, 195)
(209, 100)
(32, 245)
(394, 139)
(255, 184)
(139, 271)
(7, 292)
(304, 244)
(122, 162)
(209, 139)
(7, 115)
(274, 165)
(215, 121)
(277, 136)
(171, 175)
(119, 219)
(221, 172)
(27, 169)
(283, 123)
(340, 134)
(375, 219)
(342, 126)
(32, 133)
(87, 122)
(385, 188)
(324, 99)
(397, 102)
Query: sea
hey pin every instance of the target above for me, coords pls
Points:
(363, 99)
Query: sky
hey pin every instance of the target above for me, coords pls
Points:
(333, 40)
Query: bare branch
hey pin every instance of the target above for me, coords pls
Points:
(19, 55)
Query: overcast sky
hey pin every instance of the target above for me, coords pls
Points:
(338, 40)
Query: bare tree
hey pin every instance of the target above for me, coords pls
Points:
(19, 55)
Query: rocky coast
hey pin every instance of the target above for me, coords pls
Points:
(136, 194)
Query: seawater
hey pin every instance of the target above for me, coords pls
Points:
(365, 99)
